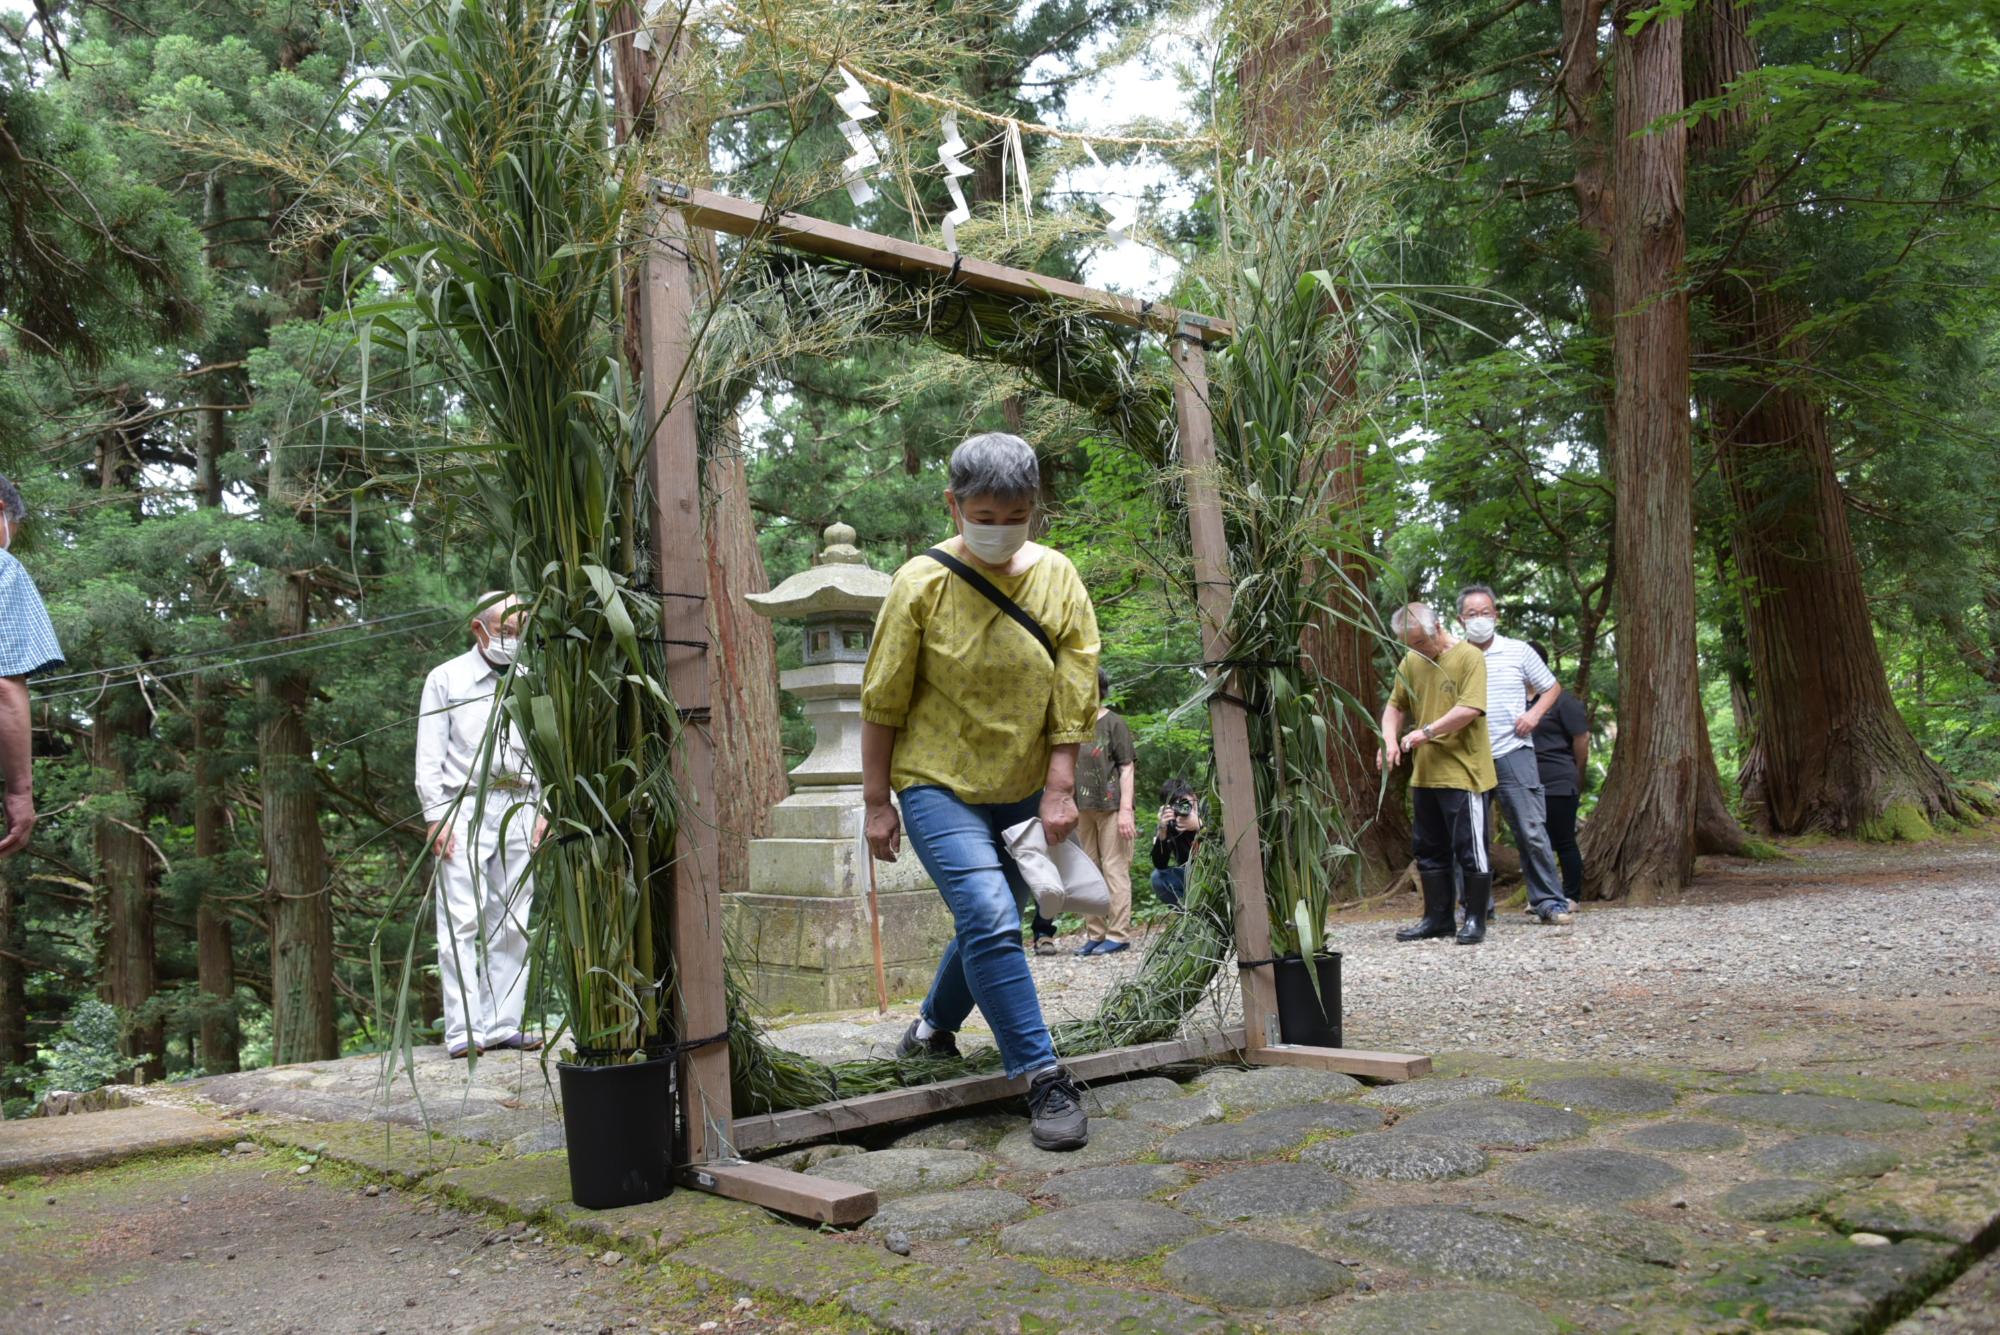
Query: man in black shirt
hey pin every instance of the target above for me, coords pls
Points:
(1562, 754)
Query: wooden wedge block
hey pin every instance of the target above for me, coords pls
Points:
(817, 1198)
(1349, 1061)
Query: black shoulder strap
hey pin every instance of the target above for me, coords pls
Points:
(994, 596)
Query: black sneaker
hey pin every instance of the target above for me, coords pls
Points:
(939, 1044)
(1055, 1106)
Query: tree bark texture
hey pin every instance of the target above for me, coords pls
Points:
(298, 900)
(744, 719)
(1641, 841)
(14, 1049)
(1830, 751)
(1281, 81)
(125, 873)
(120, 719)
(743, 664)
(215, 954)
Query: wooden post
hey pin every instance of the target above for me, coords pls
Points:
(681, 571)
(1235, 781)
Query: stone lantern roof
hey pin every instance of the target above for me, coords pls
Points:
(839, 581)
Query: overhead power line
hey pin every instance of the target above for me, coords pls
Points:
(137, 677)
(237, 647)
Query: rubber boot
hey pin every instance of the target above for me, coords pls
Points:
(1436, 921)
(1475, 899)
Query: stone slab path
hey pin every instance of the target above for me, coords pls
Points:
(1892, 1197)
(81, 1140)
(1829, 1173)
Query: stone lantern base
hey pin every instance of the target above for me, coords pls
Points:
(800, 934)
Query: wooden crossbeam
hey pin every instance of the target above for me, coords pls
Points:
(871, 250)
(902, 1105)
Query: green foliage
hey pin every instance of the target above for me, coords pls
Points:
(506, 223)
(84, 1053)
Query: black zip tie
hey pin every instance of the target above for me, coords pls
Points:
(1283, 959)
(657, 1048)
(698, 714)
(957, 261)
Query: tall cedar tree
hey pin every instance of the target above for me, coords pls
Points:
(1830, 750)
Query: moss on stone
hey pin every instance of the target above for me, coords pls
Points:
(401, 1154)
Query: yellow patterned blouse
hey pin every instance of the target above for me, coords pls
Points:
(974, 698)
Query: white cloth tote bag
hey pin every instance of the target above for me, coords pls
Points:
(1063, 878)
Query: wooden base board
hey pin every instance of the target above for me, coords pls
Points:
(816, 1198)
(902, 1105)
(1349, 1061)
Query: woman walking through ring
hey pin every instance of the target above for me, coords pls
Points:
(981, 685)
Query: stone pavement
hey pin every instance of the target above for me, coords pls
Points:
(60, 1144)
(1497, 1196)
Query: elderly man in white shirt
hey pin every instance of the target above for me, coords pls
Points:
(1513, 672)
(483, 807)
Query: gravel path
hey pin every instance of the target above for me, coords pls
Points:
(1756, 947)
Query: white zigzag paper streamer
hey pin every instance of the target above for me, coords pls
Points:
(1123, 215)
(853, 100)
(643, 39)
(1020, 157)
(948, 158)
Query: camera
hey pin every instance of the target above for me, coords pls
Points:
(1183, 807)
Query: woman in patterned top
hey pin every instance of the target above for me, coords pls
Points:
(971, 717)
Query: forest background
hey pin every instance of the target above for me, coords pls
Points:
(251, 578)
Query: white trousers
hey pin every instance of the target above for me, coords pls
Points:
(483, 896)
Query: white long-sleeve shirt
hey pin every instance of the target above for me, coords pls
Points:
(457, 706)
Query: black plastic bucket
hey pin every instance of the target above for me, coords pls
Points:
(619, 1121)
(1302, 1018)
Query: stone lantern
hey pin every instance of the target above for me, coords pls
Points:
(800, 933)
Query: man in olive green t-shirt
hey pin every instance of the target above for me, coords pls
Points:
(1441, 689)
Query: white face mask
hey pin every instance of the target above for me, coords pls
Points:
(502, 650)
(1480, 629)
(995, 544)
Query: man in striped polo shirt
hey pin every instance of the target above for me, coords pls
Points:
(1512, 671)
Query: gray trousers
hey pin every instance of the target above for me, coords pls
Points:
(1520, 796)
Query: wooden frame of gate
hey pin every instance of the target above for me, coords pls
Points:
(667, 302)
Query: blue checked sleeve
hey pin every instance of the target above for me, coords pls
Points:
(27, 640)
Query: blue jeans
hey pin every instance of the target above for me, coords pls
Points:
(984, 966)
(1170, 885)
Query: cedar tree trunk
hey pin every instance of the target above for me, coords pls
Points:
(1830, 751)
(1282, 84)
(1641, 841)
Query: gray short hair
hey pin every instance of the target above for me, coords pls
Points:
(1419, 613)
(994, 463)
(492, 607)
(1471, 589)
(11, 503)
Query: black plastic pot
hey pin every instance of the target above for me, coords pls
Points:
(1304, 1017)
(619, 1121)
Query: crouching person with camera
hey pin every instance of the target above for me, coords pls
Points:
(1174, 841)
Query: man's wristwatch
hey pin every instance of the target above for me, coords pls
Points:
(1426, 731)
